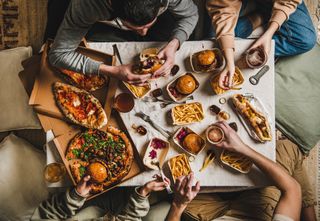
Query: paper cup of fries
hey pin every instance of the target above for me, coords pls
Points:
(187, 113)
(138, 91)
(236, 161)
(179, 166)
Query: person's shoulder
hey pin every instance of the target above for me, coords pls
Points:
(95, 8)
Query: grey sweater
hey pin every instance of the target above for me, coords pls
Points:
(65, 205)
(82, 14)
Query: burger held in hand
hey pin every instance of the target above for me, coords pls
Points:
(97, 171)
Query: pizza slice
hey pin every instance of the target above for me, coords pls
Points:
(86, 82)
(79, 106)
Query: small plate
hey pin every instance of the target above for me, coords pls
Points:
(180, 97)
(155, 154)
(233, 166)
(217, 68)
(178, 140)
(134, 90)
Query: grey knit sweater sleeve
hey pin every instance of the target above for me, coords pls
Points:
(186, 13)
(80, 16)
(65, 205)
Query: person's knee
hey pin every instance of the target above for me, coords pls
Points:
(308, 39)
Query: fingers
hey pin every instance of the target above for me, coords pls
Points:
(165, 68)
(183, 183)
(230, 79)
(140, 80)
(86, 178)
(196, 188)
(177, 185)
(223, 79)
(189, 183)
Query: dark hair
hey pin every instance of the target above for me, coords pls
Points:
(136, 12)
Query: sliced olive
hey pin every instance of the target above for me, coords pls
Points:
(174, 70)
(215, 109)
(157, 92)
(234, 126)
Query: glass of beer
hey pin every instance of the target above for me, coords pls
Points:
(123, 102)
(54, 172)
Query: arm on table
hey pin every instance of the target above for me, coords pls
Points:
(290, 200)
(186, 13)
(80, 16)
(184, 193)
(224, 16)
(77, 21)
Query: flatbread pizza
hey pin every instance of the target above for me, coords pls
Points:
(105, 156)
(86, 82)
(79, 106)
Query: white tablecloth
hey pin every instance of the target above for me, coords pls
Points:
(214, 175)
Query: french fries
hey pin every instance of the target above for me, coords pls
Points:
(179, 166)
(237, 161)
(138, 91)
(187, 113)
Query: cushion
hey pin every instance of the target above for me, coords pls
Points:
(22, 186)
(15, 112)
(297, 98)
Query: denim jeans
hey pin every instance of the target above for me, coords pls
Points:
(296, 35)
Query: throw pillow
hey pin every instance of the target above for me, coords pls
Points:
(22, 184)
(297, 98)
(15, 113)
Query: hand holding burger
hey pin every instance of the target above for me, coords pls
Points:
(168, 54)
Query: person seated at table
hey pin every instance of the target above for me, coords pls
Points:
(287, 22)
(129, 19)
(127, 206)
(257, 204)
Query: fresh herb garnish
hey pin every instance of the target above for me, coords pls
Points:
(82, 170)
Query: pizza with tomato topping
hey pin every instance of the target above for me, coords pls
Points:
(79, 106)
(86, 82)
(110, 150)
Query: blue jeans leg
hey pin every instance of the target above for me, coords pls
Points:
(297, 35)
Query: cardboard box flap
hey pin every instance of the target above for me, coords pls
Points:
(42, 97)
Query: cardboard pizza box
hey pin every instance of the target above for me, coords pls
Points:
(64, 132)
(42, 98)
(51, 119)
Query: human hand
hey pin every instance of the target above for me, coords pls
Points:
(231, 140)
(226, 76)
(263, 42)
(83, 188)
(184, 192)
(168, 53)
(124, 73)
(156, 185)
